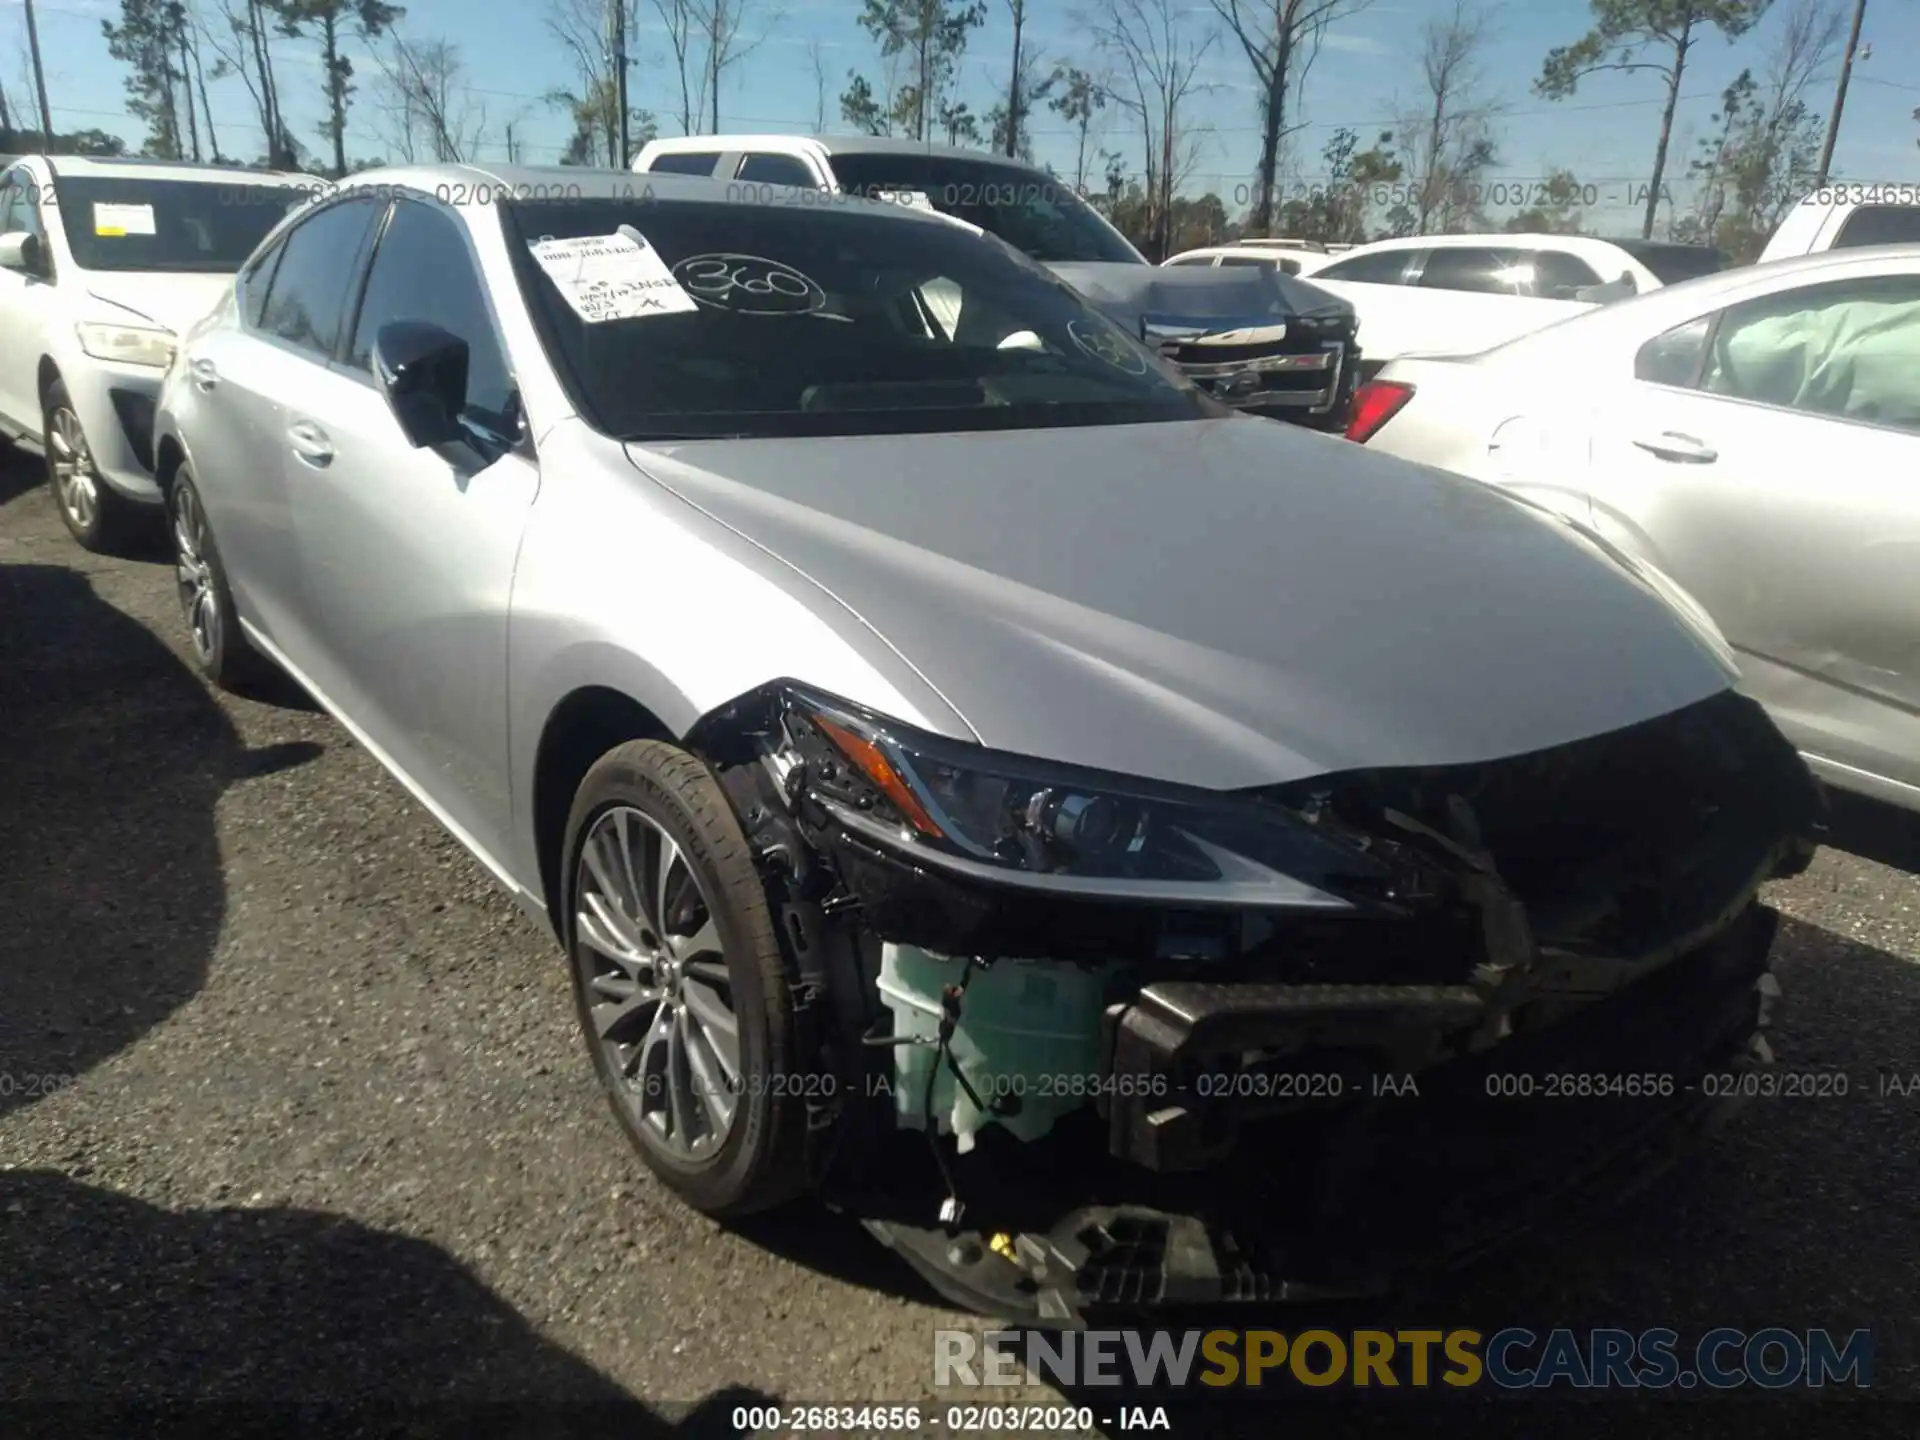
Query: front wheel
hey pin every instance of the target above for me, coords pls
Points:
(96, 514)
(680, 982)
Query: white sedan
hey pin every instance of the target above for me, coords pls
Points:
(1753, 436)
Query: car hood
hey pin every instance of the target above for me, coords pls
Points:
(1224, 603)
(1130, 292)
(175, 301)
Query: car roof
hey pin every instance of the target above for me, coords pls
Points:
(81, 166)
(482, 187)
(833, 145)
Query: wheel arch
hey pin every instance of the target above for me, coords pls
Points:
(168, 456)
(585, 724)
(45, 378)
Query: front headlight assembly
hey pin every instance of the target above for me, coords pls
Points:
(127, 344)
(1007, 820)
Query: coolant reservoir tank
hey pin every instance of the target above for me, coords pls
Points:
(1028, 1029)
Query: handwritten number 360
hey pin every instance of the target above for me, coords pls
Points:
(717, 279)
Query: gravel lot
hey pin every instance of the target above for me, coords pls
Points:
(332, 1135)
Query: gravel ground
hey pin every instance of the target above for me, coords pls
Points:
(332, 1137)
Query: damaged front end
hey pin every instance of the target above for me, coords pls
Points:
(1097, 1041)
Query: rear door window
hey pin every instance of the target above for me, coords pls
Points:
(255, 280)
(1845, 350)
(685, 162)
(1558, 275)
(1879, 225)
(766, 169)
(1382, 267)
(307, 298)
(1469, 268)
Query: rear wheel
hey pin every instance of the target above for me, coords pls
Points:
(96, 514)
(680, 983)
(213, 625)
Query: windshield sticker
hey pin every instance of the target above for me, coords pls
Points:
(1106, 344)
(749, 285)
(611, 277)
(116, 220)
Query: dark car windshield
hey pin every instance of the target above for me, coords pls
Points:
(714, 318)
(199, 226)
(1031, 211)
(1673, 263)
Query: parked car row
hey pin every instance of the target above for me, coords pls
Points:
(973, 773)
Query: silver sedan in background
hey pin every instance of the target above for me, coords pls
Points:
(968, 768)
(1755, 436)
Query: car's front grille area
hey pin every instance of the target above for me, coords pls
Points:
(1263, 375)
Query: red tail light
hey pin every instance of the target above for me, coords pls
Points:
(1375, 403)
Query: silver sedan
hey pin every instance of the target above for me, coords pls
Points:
(922, 717)
(1754, 436)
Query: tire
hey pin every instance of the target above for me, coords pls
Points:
(220, 651)
(641, 791)
(98, 516)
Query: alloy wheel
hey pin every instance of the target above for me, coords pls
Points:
(193, 573)
(73, 478)
(659, 994)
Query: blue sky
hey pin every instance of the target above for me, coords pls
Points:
(1605, 133)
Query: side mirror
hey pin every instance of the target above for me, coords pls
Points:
(22, 251)
(422, 370)
(1627, 283)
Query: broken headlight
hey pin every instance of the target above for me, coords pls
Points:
(1011, 820)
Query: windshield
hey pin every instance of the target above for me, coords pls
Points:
(197, 226)
(1033, 212)
(715, 319)
(1673, 263)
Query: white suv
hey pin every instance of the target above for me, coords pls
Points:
(103, 264)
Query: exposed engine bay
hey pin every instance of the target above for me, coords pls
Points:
(1059, 1010)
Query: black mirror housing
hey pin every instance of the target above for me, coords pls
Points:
(422, 370)
(30, 253)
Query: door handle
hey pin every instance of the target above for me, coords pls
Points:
(310, 442)
(205, 374)
(1683, 449)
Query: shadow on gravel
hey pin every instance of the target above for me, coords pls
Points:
(271, 1321)
(835, 1245)
(19, 472)
(112, 757)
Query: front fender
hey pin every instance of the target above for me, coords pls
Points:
(623, 585)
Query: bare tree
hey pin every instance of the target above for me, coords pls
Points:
(722, 23)
(429, 109)
(239, 39)
(580, 27)
(1446, 139)
(1018, 99)
(1079, 99)
(1279, 39)
(1156, 61)
(681, 21)
(817, 59)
